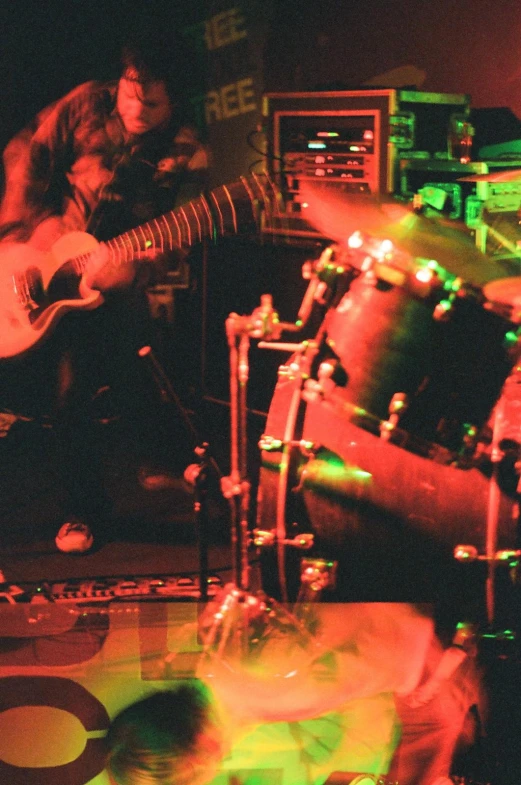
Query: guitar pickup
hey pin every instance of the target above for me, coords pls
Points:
(29, 288)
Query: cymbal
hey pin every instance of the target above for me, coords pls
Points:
(505, 176)
(506, 291)
(338, 215)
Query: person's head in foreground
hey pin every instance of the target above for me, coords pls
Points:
(171, 737)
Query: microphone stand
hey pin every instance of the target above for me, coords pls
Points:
(196, 474)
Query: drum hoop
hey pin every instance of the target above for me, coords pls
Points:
(282, 485)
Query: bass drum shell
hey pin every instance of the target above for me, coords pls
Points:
(391, 518)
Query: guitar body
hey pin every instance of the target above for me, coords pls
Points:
(37, 289)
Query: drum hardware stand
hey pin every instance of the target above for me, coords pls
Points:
(228, 622)
(470, 553)
(492, 515)
(263, 323)
(236, 487)
(510, 558)
(196, 474)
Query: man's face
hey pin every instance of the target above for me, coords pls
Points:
(143, 106)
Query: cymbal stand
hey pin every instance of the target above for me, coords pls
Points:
(263, 323)
(235, 606)
(493, 513)
(227, 620)
(492, 556)
(502, 416)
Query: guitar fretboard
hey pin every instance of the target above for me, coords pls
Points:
(226, 209)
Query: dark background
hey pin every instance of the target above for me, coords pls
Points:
(464, 47)
(282, 45)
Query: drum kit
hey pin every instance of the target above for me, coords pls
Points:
(391, 451)
(390, 462)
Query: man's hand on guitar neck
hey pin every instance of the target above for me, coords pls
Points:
(104, 272)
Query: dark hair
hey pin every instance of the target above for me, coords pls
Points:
(158, 57)
(164, 738)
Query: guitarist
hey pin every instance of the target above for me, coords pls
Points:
(103, 159)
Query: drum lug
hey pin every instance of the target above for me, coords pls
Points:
(292, 371)
(469, 553)
(397, 407)
(271, 444)
(266, 538)
(509, 559)
(442, 311)
(263, 538)
(312, 392)
(331, 374)
(315, 576)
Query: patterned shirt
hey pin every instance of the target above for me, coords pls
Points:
(76, 161)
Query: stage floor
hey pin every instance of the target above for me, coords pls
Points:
(151, 550)
(155, 527)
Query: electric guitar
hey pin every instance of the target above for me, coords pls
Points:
(37, 289)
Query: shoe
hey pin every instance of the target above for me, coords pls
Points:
(74, 537)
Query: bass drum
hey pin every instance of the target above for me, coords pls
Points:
(390, 512)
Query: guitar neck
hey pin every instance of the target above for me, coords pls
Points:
(225, 210)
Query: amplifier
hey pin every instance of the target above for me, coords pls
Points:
(340, 137)
(501, 197)
(351, 139)
(499, 233)
(438, 182)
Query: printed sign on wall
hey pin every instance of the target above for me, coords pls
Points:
(230, 40)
